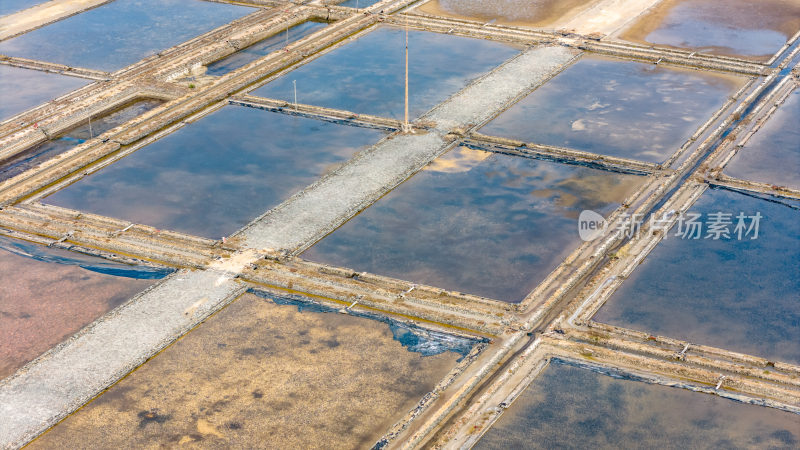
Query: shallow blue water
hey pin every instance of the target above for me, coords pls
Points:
(214, 176)
(738, 295)
(121, 33)
(90, 263)
(12, 6)
(773, 154)
(366, 76)
(46, 150)
(22, 89)
(263, 48)
(572, 407)
(478, 222)
(614, 107)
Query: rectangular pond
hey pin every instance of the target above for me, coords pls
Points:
(50, 294)
(537, 13)
(743, 28)
(269, 369)
(213, 176)
(22, 89)
(263, 48)
(122, 32)
(60, 144)
(740, 295)
(772, 155)
(618, 108)
(366, 76)
(477, 222)
(568, 406)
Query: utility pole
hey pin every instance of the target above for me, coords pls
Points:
(287, 34)
(90, 127)
(406, 127)
(294, 82)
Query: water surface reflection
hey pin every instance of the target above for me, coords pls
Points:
(366, 76)
(772, 155)
(572, 407)
(738, 295)
(121, 32)
(477, 222)
(214, 176)
(617, 108)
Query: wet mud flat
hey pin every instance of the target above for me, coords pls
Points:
(617, 108)
(740, 295)
(78, 135)
(535, 13)
(213, 176)
(50, 294)
(568, 406)
(477, 222)
(772, 155)
(121, 32)
(22, 89)
(267, 370)
(366, 76)
(751, 29)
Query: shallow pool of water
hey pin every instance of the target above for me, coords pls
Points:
(50, 294)
(263, 48)
(772, 155)
(618, 108)
(737, 295)
(122, 32)
(262, 370)
(725, 27)
(94, 127)
(214, 176)
(22, 89)
(366, 76)
(478, 222)
(572, 407)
